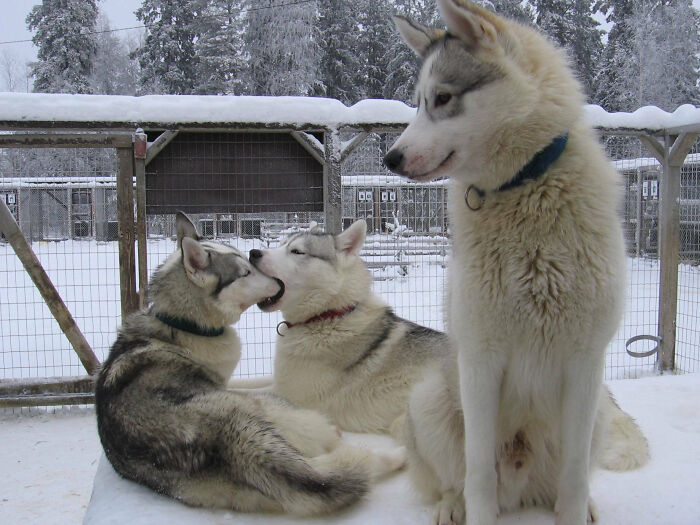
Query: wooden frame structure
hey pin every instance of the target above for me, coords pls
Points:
(134, 153)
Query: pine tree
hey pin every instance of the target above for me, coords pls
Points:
(651, 57)
(113, 72)
(513, 9)
(220, 47)
(339, 63)
(168, 60)
(374, 37)
(402, 62)
(570, 24)
(66, 45)
(282, 47)
(617, 58)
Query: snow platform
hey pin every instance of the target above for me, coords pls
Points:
(664, 491)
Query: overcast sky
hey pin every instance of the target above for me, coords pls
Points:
(14, 13)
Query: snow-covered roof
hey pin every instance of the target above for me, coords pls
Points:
(269, 112)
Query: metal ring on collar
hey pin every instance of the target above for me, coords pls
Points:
(280, 324)
(641, 338)
(476, 196)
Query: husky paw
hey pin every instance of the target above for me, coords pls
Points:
(574, 518)
(449, 510)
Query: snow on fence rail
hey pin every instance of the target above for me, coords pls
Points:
(69, 203)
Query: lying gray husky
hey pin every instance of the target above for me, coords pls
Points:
(166, 421)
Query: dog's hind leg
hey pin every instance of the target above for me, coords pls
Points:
(220, 492)
(581, 389)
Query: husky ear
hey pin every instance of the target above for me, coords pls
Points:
(195, 258)
(352, 240)
(185, 228)
(474, 25)
(314, 227)
(418, 37)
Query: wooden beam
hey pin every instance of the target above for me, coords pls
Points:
(125, 217)
(157, 145)
(655, 147)
(681, 147)
(140, 153)
(66, 140)
(351, 145)
(48, 291)
(311, 144)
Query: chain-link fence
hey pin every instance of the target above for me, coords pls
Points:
(65, 203)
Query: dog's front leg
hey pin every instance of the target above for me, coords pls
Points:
(480, 376)
(581, 389)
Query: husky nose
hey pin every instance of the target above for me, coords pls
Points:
(393, 159)
(255, 256)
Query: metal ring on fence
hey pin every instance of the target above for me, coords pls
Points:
(641, 338)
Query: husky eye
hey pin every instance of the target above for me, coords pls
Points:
(246, 274)
(297, 252)
(442, 98)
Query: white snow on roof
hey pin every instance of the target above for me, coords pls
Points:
(274, 111)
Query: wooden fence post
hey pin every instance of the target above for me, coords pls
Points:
(125, 214)
(332, 197)
(140, 148)
(675, 150)
(48, 291)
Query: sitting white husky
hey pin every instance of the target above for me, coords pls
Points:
(536, 277)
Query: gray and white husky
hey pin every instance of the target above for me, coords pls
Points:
(341, 348)
(166, 420)
(536, 279)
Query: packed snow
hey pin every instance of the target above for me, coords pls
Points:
(277, 112)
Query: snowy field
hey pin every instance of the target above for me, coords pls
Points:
(411, 279)
(49, 463)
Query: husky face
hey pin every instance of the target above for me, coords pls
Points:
(470, 88)
(219, 284)
(314, 269)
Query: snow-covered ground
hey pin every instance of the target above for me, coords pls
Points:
(86, 274)
(49, 463)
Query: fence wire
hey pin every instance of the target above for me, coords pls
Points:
(247, 193)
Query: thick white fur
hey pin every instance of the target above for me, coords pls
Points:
(536, 280)
(313, 363)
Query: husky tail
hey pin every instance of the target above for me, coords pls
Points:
(280, 479)
(625, 447)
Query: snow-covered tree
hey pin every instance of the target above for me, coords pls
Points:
(220, 48)
(113, 72)
(339, 64)
(282, 47)
(374, 37)
(513, 9)
(12, 71)
(168, 60)
(66, 45)
(570, 23)
(651, 57)
(402, 63)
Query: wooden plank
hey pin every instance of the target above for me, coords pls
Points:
(310, 144)
(125, 216)
(157, 145)
(140, 154)
(47, 400)
(66, 140)
(655, 147)
(46, 386)
(331, 182)
(48, 291)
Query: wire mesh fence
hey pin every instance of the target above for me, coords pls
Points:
(250, 190)
(65, 203)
